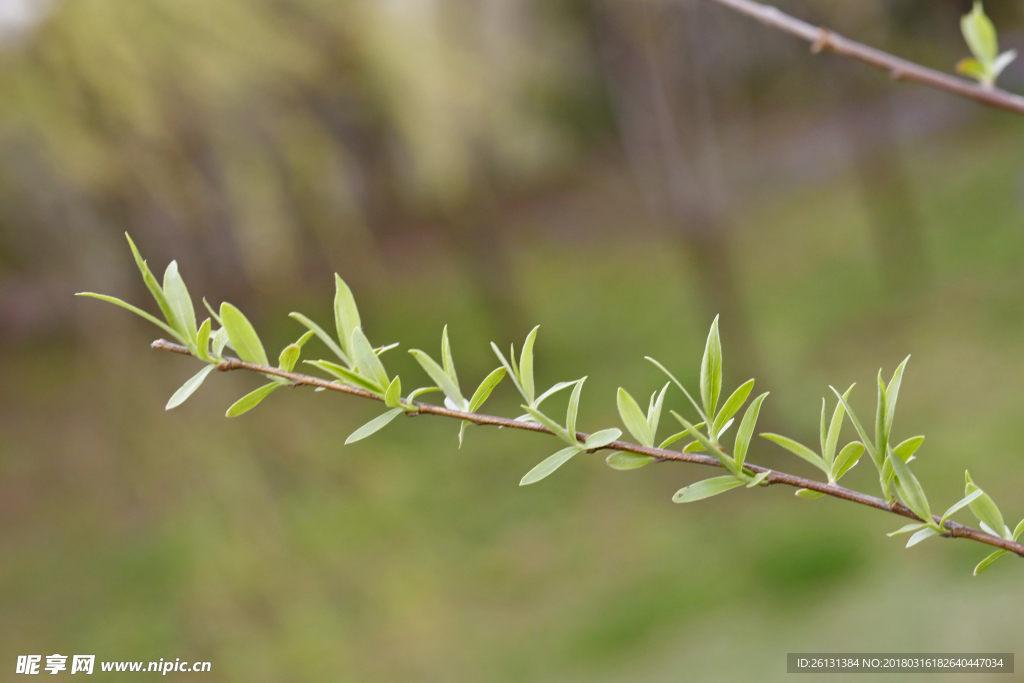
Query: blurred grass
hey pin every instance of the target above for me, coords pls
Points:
(264, 546)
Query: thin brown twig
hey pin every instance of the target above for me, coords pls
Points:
(954, 529)
(822, 38)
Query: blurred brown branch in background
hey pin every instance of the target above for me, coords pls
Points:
(822, 38)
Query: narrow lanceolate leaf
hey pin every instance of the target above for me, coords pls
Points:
(346, 314)
(440, 377)
(289, 357)
(711, 371)
(1019, 530)
(347, 376)
(486, 387)
(733, 405)
(700, 411)
(892, 392)
(574, 407)
(180, 302)
(600, 439)
(831, 438)
(252, 399)
(393, 395)
(548, 465)
(907, 529)
(980, 34)
(526, 365)
(634, 418)
(203, 341)
(366, 360)
(727, 462)
(966, 500)
(860, 429)
(655, 408)
(137, 311)
(809, 494)
(151, 284)
(322, 336)
(746, 430)
(921, 535)
(758, 479)
(508, 366)
(706, 489)
(881, 438)
(446, 357)
(220, 340)
(189, 387)
(244, 339)
(987, 562)
(797, 449)
(848, 457)
(675, 437)
(306, 336)
(373, 426)
(213, 313)
(984, 508)
(627, 461)
(910, 489)
(552, 391)
(556, 429)
(904, 450)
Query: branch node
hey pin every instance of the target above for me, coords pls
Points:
(821, 42)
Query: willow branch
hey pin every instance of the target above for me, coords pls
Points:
(953, 529)
(822, 38)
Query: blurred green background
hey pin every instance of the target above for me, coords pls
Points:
(616, 171)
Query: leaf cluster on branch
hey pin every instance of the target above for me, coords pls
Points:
(361, 372)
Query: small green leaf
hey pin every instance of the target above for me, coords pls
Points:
(892, 392)
(512, 373)
(599, 440)
(831, 439)
(422, 390)
(727, 462)
(1019, 530)
(733, 405)
(152, 285)
(526, 365)
(679, 384)
(486, 387)
(905, 450)
(440, 377)
(675, 437)
(797, 449)
(346, 315)
(446, 357)
(220, 340)
(189, 387)
(289, 357)
(809, 494)
(711, 371)
(910, 490)
(848, 457)
(966, 500)
(574, 406)
(556, 429)
(746, 429)
(881, 437)
(706, 489)
(987, 562)
(552, 391)
(984, 508)
(758, 479)
(980, 34)
(1002, 61)
(634, 418)
(212, 312)
(387, 347)
(907, 529)
(137, 311)
(462, 430)
(654, 409)
(252, 399)
(244, 339)
(860, 429)
(203, 341)
(627, 461)
(322, 336)
(180, 302)
(548, 465)
(972, 68)
(393, 395)
(921, 535)
(373, 426)
(366, 360)
(347, 376)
